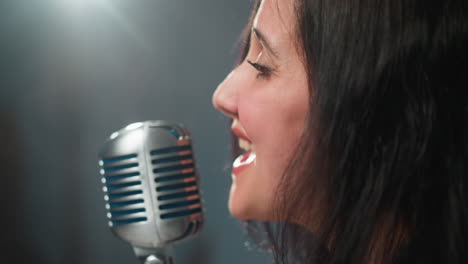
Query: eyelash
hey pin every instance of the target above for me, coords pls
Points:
(264, 71)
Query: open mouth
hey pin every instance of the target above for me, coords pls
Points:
(244, 160)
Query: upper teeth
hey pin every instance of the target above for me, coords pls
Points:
(243, 144)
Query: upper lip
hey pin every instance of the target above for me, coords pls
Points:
(240, 133)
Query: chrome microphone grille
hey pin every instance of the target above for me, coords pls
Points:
(176, 184)
(122, 185)
(151, 184)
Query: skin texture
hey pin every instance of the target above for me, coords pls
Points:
(271, 109)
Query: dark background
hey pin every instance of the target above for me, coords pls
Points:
(74, 71)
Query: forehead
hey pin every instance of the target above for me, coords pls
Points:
(275, 18)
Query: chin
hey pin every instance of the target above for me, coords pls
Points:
(238, 209)
(243, 210)
(243, 214)
(239, 214)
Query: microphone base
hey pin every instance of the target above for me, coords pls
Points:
(154, 255)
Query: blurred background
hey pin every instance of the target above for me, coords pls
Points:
(74, 71)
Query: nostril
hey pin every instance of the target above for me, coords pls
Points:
(226, 112)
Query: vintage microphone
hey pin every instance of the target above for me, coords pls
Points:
(151, 188)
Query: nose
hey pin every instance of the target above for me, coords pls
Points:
(225, 96)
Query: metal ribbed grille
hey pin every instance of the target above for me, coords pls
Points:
(123, 190)
(176, 182)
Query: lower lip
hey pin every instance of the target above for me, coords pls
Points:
(243, 162)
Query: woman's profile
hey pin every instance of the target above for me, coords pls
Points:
(353, 118)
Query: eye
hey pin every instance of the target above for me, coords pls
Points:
(264, 71)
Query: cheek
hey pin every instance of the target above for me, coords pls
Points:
(274, 117)
(254, 116)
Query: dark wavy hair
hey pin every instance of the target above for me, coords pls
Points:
(380, 175)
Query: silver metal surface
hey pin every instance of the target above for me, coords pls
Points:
(154, 255)
(151, 259)
(151, 185)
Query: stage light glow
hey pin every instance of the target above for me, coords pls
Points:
(77, 13)
(80, 4)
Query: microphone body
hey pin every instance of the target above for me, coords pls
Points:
(151, 187)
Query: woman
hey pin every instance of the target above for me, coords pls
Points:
(355, 118)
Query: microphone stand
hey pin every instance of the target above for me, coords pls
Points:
(154, 255)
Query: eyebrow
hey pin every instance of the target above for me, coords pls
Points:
(265, 43)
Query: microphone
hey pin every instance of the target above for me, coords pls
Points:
(151, 188)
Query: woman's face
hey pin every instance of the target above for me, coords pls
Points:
(268, 101)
